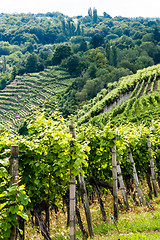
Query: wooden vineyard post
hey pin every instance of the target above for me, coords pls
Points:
(72, 199)
(84, 193)
(100, 201)
(114, 175)
(121, 182)
(14, 177)
(86, 205)
(135, 176)
(152, 166)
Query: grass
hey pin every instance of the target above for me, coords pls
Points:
(137, 236)
(135, 223)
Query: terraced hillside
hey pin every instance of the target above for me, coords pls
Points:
(28, 91)
(135, 97)
(135, 94)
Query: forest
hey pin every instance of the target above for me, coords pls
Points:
(79, 109)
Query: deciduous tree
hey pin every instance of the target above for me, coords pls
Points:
(61, 52)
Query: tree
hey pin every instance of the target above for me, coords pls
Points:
(83, 46)
(95, 17)
(92, 86)
(113, 56)
(73, 28)
(95, 56)
(150, 48)
(40, 66)
(148, 37)
(108, 52)
(4, 64)
(31, 64)
(3, 80)
(69, 27)
(92, 70)
(82, 30)
(3, 83)
(78, 30)
(156, 34)
(90, 12)
(63, 27)
(73, 65)
(106, 15)
(13, 73)
(144, 62)
(61, 52)
(97, 40)
(81, 96)
(117, 73)
(127, 64)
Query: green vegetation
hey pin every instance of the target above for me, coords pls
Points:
(138, 223)
(133, 100)
(97, 50)
(46, 185)
(131, 226)
(29, 91)
(101, 73)
(47, 154)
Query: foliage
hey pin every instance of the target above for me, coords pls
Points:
(120, 46)
(73, 65)
(27, 92)
(13, 199)
(61, 52)
(98, 52)
(135, 83)
(48, 157)
(96, 41)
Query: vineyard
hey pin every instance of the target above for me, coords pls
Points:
(49, 158)
(113, 155)
(134, 95)
(79, 127)
(30, 91)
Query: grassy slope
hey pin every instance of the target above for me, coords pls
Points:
(136, 223)
(29, 91)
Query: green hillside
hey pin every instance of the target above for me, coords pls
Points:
(41, 54)
(93, 78)
(29, 91)
(135, 98)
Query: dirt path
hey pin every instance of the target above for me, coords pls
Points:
(156, 85)
(118, 102)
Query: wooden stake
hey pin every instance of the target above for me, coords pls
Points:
(86, 205)
(72, 198)
(121, 182)
(14, 164)
(100, 202)
(114, 175)
(152, 166)
(84, 193)
(135, 176)
(14, 177)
